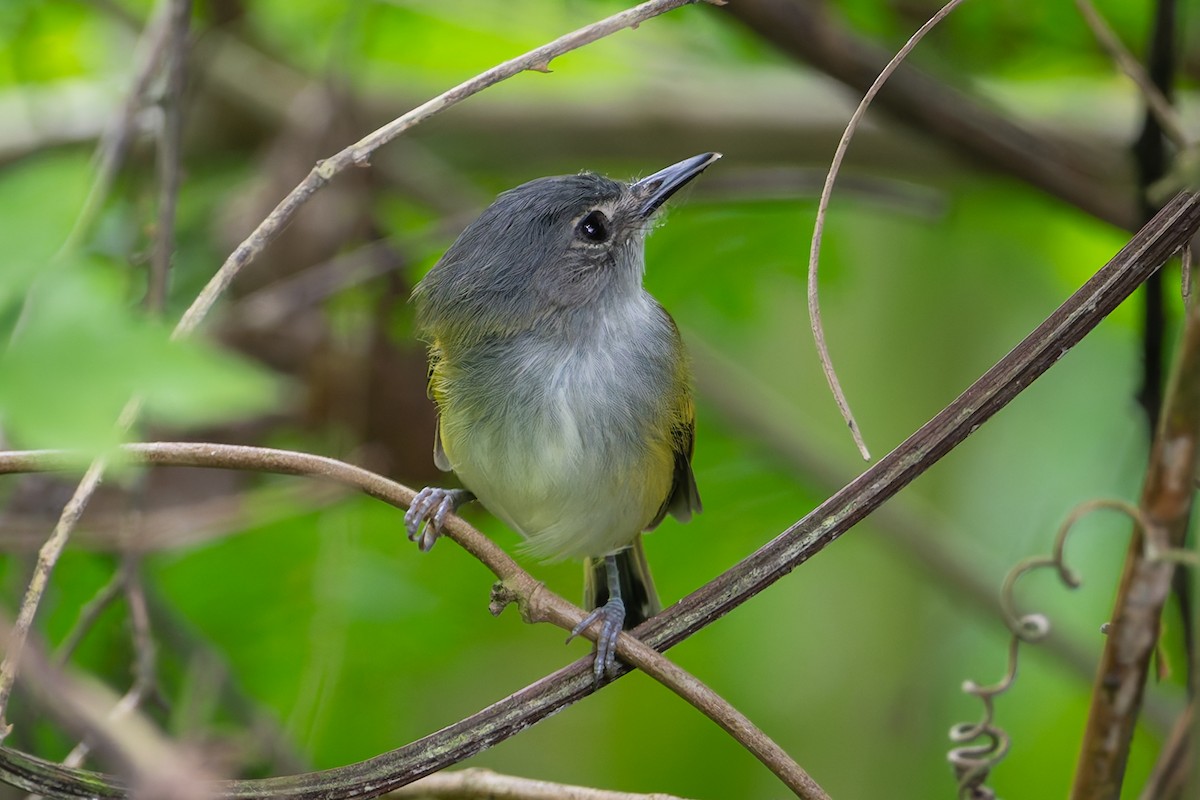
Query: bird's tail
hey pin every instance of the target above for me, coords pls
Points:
(637, 586)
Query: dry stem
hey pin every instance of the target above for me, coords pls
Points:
(537, 603)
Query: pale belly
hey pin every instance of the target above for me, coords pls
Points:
(572, 481)
(573, 449)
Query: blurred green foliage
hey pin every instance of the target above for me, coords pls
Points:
(344, 640)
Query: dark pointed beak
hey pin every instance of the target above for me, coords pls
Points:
(658, 188)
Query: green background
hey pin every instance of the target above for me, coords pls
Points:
(307, 611)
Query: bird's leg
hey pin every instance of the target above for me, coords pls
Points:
(613, 614)
(427, 513)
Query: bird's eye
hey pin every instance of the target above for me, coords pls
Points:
(593, 227)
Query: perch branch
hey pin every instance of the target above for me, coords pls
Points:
(1145, 252)
(537, 603)
(356, 155)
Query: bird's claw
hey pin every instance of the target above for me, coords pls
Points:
(613, 615)
(427, 514)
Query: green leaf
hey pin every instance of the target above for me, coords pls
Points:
(79, 354)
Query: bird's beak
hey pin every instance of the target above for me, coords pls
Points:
(656, 189)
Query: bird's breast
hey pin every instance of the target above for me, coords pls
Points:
(565, 437)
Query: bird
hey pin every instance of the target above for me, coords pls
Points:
(562, 388)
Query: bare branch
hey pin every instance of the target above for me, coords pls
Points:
(483, 784)
(169, 143)
(88, 615)
(537, 603)
(913, 528)
(151, 766)
(47, 558)
(1174, 764)
(119, 134)
(1156, 101)
(1166, 506)
(359, 154)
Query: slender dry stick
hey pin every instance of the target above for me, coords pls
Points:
(483, 784)
(88, 615)
(169, 156)
(115, 141)
(356, 155)
(145, 677)
(1171, 227)
(1166, 505)
(814, 254)
(1156, 102)
(47, 558)
(156, 767)
(359, 153)
(537, 603)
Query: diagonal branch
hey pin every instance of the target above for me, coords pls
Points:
(1145, 252)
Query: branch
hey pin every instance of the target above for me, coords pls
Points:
(483, 784)
(805, 30)
(536, 602)
(355, 155)
(915, 530)
(169, 145)
(359, 153)
(1179, 220)
(1166, 506)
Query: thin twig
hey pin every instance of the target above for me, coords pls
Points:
(483, 784)
(537, 603)
(169, 156)
(118, 135)
(1156, 102)
(153, 766)
(145, 679)
(88, 615)
(356, 155)
(359, 154)
(814, 255)
(167, 33)
(47, 558)
(1145, 252)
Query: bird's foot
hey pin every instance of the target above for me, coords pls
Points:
(613, 615)
(427, 513)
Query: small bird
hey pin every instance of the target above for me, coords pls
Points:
(562, 388)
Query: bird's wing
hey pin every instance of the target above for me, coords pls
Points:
(684, 498)
(440, 459)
